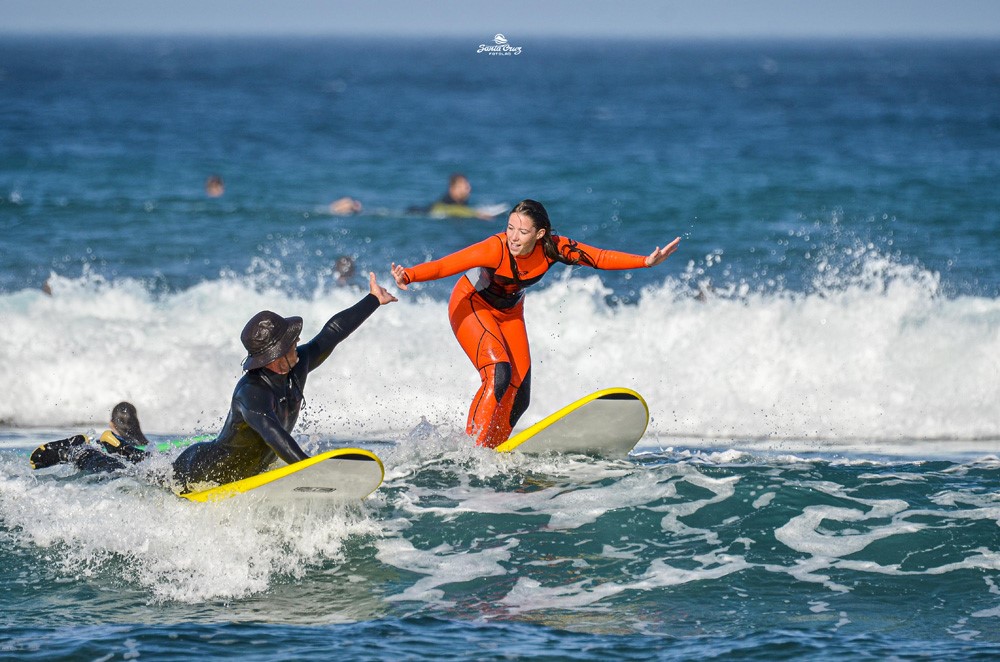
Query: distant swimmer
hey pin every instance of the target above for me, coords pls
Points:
(214, 187)
(344, 269)
(345, 206)
(263, 411)
(487, 307)
(455, 203)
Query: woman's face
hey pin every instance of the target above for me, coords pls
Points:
(521, 234)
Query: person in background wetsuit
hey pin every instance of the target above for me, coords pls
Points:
(455, 202)
(487, 307)
(122, 443)
(264, 409)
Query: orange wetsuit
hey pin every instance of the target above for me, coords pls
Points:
(487, 315)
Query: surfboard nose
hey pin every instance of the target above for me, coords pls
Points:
(608, 423)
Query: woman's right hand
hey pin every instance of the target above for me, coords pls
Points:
(399, 274)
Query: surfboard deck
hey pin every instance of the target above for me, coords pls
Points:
(609, 422)
(340, 475)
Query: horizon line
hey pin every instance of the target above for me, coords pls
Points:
(408, 36)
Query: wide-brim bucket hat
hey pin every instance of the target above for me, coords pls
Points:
(268, 336)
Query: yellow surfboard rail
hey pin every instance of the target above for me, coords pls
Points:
(247, 484)
(527, 433)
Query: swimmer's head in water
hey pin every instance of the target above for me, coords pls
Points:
(459, 188)
(344, 266)
(268, 336)
(214, 187)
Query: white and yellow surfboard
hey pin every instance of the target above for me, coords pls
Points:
(343, 474)
(609, 422)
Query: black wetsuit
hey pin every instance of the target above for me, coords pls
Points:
(264, 410)
(89, 458)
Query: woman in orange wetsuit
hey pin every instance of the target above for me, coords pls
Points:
(487, 307)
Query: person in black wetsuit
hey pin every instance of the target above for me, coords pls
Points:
(123, 438)
(266, 401)
(265, 404)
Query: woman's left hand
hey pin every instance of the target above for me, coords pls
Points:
(661, 254)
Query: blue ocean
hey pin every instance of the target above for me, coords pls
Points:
(820, 478)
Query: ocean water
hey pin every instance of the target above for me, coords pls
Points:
(821, 474)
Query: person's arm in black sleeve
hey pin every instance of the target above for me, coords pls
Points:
(258, 407)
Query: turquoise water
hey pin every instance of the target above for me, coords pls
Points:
(820, 475)
(681, 553)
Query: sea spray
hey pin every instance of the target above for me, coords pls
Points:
(880, 354)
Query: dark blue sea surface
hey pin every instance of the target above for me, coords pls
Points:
(821, 357)
(772, 154)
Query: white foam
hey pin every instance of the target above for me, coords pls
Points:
(809, 570)
(987, 613)
(529, 595)
(893, 360)
(178, 550)
(818, 606)
(441, 566)
(892, 478)
(569, 502)
(763, 500)
(802, 534)
(714, 566)
(722, 489)
(571, 509)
